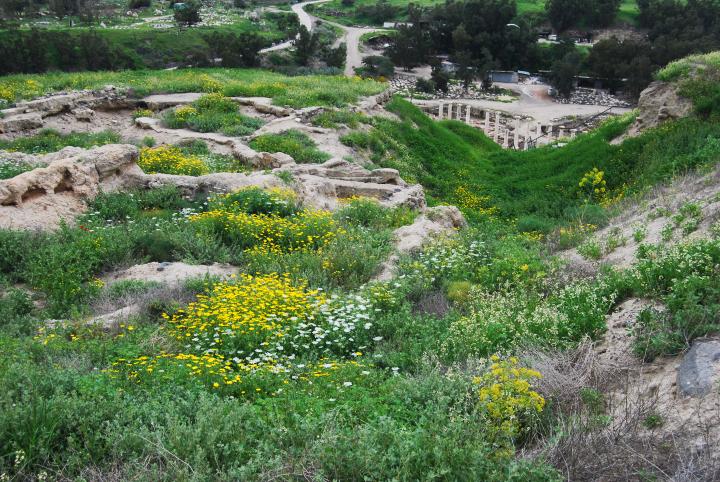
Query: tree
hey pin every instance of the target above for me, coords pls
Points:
(563, 73)
(13, 8)
(465, 69)
(335, 57)
(381, 12)
(439, 77)
(187, 13)
(564, 14)
(378, 66)
(411, 43)
(305, 46)
(235, 50)
(601, 13)
(134, 4)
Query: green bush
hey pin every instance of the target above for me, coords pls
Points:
(254, 200)
(368, 212)
(212, 113)
(293, 143)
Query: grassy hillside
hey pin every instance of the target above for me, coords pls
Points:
(540, 186)
(303, 368)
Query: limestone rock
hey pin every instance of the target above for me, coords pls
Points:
(699, 370)
(165, 101)
(21, 122)
(145, 122)
(659, 102)
(112, 319)
(434, 221)
(83, 114)
(43, 197)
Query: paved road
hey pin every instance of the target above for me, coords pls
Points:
(351, 36)
(305, 19)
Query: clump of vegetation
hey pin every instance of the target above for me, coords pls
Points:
(49, 140)
(212, 113)
(335, 118)
(294, 143)
(170, 160)
(11, 168)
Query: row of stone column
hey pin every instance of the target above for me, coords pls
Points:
(532, 133)
(458, 111)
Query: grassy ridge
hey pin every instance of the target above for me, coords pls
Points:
(293, 91)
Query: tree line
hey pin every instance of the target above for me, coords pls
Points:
(483, 35)
(34, 51)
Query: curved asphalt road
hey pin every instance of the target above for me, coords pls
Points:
(351, 36)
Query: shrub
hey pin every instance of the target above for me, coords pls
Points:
(212, 113)
(507, 401)
(263, 233)
(142, 113)
(368, 212)
(254, 200)
(170, 160)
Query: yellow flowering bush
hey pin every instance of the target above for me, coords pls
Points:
(471, 201)
(185, 113)
(594, 185)
(170, 160)
(240, 317)
(7, 94)
(270, 233)
(210, 84)
(507, 399)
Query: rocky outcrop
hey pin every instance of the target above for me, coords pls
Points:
(699, 370)
(80, 173)
(170, 274)
(28, 115)
(658, 103)
(433, 222)
(74, 174)
(21, 122)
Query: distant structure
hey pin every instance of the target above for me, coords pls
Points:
(504, 76)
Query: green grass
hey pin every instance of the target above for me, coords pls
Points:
(293, 91)
(157, 48)
(49, 140)
(294, 143)
(629, 12)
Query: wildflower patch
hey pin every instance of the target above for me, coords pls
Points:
(170, 160)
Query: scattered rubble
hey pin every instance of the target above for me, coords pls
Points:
(586, 96)
(405, 85)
